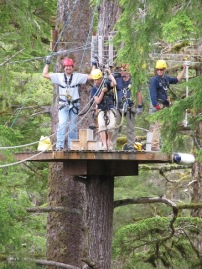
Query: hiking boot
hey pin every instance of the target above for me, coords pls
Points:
(59, 149)
(131, 148)
(155, 149)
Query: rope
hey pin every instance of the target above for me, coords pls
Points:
(22, 161)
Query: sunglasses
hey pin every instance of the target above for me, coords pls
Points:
(162, 69)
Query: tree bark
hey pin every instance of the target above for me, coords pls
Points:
(98, 236)
(65, 230)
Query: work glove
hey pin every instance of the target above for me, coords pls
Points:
(139, 109)
(108, 72)
(48, 59)
(158, 107)
(95, 63)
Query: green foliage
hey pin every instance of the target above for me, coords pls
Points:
(24, 108)
(25, 36)
(141, 243)
(181, 24)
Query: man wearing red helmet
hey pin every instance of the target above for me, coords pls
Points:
(69, 100)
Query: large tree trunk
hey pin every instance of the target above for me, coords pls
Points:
(65, 230)
(98, 237)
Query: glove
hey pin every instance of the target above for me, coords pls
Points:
(95, 63)
(158, 107)
(108, 72)
(139, 109)
(48, 59)
(166, 103)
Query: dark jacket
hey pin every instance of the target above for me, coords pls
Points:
(159, 88)
(107, 101)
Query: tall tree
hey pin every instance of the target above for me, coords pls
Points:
(65, 231)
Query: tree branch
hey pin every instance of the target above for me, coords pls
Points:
(149, 200)
(90, 263)
(57, 264)
(53, 209)
(165, 168)
(189, 206)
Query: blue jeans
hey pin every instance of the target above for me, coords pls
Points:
(67, 118)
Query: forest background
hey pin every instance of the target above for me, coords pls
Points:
(25, 110)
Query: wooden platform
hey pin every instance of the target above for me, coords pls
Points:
(112, 163)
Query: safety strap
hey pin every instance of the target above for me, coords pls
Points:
(74, 108)
(68, 82)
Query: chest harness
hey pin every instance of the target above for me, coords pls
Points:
(68, 98)
(126, 102)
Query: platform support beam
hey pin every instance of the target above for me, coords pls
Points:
(100, 168)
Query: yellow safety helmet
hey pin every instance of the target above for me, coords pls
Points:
(161, 64)
(96, 74)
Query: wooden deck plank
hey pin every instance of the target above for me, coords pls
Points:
(56, 156)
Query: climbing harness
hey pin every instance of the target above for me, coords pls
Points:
(73, 105)
(126, 104)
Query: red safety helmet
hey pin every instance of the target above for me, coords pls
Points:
(68, 62)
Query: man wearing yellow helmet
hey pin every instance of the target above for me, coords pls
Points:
(159, 85)
(102, 92)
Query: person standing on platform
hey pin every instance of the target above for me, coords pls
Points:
(69, 100)
(126, 108)
(159, 85)
(103, 94)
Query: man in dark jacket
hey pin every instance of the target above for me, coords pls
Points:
(126, 108)
(159, 85)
